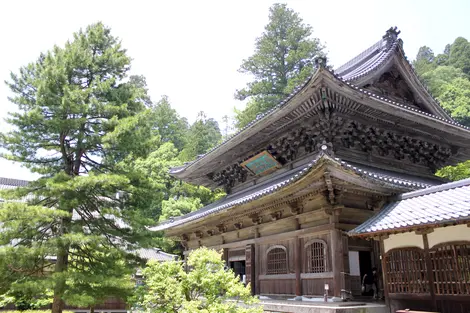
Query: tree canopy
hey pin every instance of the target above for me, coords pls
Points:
(80, 122)
(283, 58)
(448, 77)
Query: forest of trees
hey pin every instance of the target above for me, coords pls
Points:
(447, 75)
(103, 149)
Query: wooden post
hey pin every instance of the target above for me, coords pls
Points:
(384, 271)
(250, 269)
(427, 259)
(298, 265)
(225, 256)
(256, 263)
(337, 261)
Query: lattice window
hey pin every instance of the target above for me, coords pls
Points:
(316, 259)
(406, 271)
(451, 267)
(276, 260)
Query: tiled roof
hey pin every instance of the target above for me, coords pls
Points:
(11, 183)
(156, 254)
(360, 66)
(268, 187)
(375, 58)
(368, 61)
(8, 183)
(447, 203)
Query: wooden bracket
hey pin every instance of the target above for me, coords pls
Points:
(198, 234)
(256, 219)
(296, 207)
(276, 215)
(329, 186)
(222, 228)
(334, 210)
(424, 231)
(380, 237)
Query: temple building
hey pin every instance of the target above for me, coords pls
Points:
(335, 153)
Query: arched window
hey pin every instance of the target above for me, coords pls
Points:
(316, 256)
(276, 260)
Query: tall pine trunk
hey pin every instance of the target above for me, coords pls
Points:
(60, 286)
(61, 266)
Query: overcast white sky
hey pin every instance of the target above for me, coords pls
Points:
(191, 50)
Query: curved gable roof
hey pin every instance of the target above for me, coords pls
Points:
(368, 64)
(371, 63)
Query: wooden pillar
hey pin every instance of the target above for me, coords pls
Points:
(384, 270)
(337, 253)
(225, 256)
(337, 261)
(250, 268)
(430, 274)
(298, 267)
(257, 264)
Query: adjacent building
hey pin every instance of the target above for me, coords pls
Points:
(425, 243)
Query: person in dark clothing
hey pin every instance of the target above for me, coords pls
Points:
(370, 283)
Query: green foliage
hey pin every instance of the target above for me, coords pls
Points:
(170, 126)
(458, 172)
(207, 287)
(203, 134)
(178, 207)
(437, 78)
(455, 97)
(82, 124)
(459, 55)
(282, 60)
(448, 77)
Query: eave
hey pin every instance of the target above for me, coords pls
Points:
(306, 179)
(388, 111)
(438, 206)
(306, 101)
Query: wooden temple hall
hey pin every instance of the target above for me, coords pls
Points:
(304, 177)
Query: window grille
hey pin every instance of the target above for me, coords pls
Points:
(451, 268)
(277, 260)
(406, 271)
(316, 256)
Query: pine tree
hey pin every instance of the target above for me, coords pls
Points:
(283, 59)
(203, 134)
(80, 123)
(171, 127)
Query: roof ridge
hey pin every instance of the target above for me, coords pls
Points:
(443, 187)
(360, 57)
